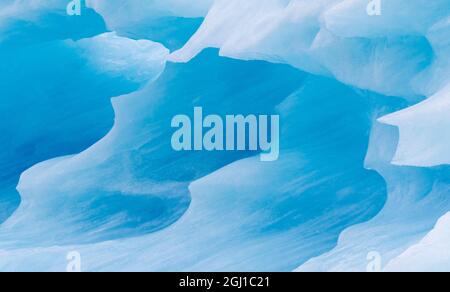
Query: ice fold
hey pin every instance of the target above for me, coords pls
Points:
(363, 100)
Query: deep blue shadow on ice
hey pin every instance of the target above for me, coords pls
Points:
(172, 32)
(41, 87)
(52, 104)
(50, 25)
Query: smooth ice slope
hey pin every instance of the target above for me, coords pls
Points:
(228, 225)
(430, 255)
(363, 102)
(301, 33)
(66, 105)
(25, 22)
(171, 22)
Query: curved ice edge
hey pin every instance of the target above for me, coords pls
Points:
(54, 258)
(33, 172)
(431, 254)
(89, 44)
(60, 160)
(422, 143)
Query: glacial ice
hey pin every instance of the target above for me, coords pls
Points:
(422, 142)
(363, 101)
(417, 198)
(170, 22)
(385, 65)
(92, 89)
(143, 10)
(242, 223)
(430, 255)
(398, 18)
(68, 90)
(26, 22)
(154, 176)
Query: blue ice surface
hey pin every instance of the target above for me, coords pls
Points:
(318, 188)
(52, 102)
(209, 81)
(132, 196)
(49, 26)
(173, 32)
(55, 103)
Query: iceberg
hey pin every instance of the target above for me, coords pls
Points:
(70, 85)
(239, 216)
(422, 142)
(170, 22)
(430, 255)
(26, 22)
(298, 33)
(87, 163)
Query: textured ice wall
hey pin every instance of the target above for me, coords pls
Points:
(402, 52)
(312, 36)
(24, 22)
(360, 172)
(58, 90)
(235, 217)
(70, 98)
(430, 255)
